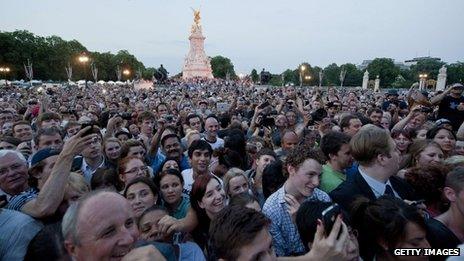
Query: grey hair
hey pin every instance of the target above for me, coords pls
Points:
(69, 223)
(20, 156)
(70, 219)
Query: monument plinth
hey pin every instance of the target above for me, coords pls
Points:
(197, 64)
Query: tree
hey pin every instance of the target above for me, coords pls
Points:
(254, 75)
(148, 73)
(331, 75)
(316, 71)
(353, 76)
(221, 66)
(291, 76)
(408, 77)
(429, 66)
(308, 71)
(276, 80)
(455, 73)
(399, 82)
(50, 55)
(386, 69)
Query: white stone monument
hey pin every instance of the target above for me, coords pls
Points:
(365, 80)
(441, 79)
(377, 84)
(197, 64)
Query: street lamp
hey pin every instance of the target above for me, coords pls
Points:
(126, 73)
(5, 70)
(83, 58)
(307, 78)
(302, 69)
(422, 78)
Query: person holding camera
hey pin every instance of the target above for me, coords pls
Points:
(451, 105)
(414, 120)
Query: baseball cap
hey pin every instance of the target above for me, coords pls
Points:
(42, 155)
(441, 122)
(457, 86)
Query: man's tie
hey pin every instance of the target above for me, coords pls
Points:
(389, 191)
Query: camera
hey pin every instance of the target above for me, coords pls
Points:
(93, 128)
(426, 109)
(169, 118)
(268, 121)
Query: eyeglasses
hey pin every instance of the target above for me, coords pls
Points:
(137, 169)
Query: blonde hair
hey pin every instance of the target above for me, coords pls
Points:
(189, 135)
(230, 174)
(369, 142)
(417, 147)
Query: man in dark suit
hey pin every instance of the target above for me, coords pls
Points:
(378, 159)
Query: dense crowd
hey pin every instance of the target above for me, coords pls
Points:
(224, 170)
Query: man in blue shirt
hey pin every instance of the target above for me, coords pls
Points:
(304, 167)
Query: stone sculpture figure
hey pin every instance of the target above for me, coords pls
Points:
(377, 84)
(197, 63)
(441, 81)
(365, 80)
(197, 18)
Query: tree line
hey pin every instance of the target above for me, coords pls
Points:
(51, 55)
(390, 74)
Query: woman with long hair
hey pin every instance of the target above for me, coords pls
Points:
(207, 198)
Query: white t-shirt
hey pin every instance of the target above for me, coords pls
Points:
(218, 144)
(188, 181)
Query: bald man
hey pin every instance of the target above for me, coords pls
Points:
(102, 226)
(289, 141)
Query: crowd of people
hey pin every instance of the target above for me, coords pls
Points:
(224, 170)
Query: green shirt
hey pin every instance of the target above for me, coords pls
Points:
(330, 178)
(181, 210)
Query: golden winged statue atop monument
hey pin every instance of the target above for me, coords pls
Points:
(196, 15)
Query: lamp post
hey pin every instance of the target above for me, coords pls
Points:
(5, 71)
(302, 69)
(83, 58)
(422, 78)
(307, 78)
(126, 73)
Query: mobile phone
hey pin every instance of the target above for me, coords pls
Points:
(169, 118)
(329, 215)
(417, 202)
(268, 122)
(91, 130)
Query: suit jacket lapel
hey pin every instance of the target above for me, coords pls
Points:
(363, 186)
